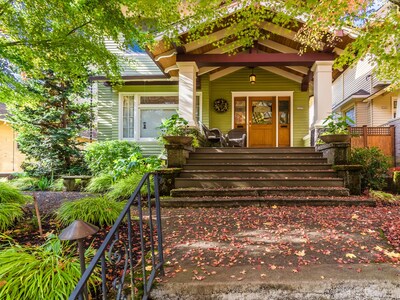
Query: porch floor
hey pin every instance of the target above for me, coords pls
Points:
(280, 253)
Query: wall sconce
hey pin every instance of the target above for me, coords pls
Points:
(252, 77)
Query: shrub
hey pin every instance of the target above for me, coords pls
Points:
(136, 163)
(57, 185)
(101, 156)
(124, 188)
(9, 213)
(100, 184)
(374, 164)
(96, 210)
(49, 271)
(10, 194)
(384, 197)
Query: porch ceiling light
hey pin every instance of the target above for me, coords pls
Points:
(252, 77)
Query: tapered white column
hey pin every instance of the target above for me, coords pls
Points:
(398, 106)
(187, 90)
(322, 95)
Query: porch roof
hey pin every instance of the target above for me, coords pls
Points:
(273, 51)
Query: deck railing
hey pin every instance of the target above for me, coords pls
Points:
(133, 277)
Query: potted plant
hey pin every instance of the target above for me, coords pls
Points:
(175, 130)
(336, 129)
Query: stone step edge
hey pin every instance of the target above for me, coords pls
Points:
(257, 171)
(264, 201)
(272, 188)
(262, 179)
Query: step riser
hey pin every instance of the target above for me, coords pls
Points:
(187, 183)
(256, 174)
(254, 192)
(255, 150)
(262, 202)
(230, 161)
(253, 155)
(254, 167)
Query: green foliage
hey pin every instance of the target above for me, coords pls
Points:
(177, 126)
(101, 183)
(336, 124)
(9, 214)
(44, 184)
(384, 197)
(57, 185)
(10, 194)
(124, 187)
(48, 132)
(24, 183)
(135, 163)
(95, 210)
(49, 271)
(101, 156)
(374, 164)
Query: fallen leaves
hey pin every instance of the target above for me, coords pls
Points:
(271, 238)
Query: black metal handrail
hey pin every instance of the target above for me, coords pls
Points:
(119, 250)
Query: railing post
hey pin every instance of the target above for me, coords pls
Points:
(365, 136)
(159, 228)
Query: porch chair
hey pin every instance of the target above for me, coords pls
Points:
(213, 135)
(236, 137)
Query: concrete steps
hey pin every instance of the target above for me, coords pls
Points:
(262, 191)
(264, 201)
(258, 176)
(255, 182)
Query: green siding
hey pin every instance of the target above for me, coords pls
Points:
(266, 81)
(205, 91)
(108, 116)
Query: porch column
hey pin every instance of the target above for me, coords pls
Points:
(322, 95)
(187, 90)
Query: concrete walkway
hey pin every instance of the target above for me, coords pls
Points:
(279, 253)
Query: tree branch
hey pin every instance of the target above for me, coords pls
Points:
(48, 41)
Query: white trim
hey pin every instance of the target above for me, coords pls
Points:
(277, 94)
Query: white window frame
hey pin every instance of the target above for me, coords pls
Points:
(137, 107)
(394, 109)
(355, 115)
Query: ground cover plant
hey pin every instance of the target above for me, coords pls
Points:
(11, 205)
(99, 211)
(48, 271)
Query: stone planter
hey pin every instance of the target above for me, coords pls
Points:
(178, 140)
(335, 138)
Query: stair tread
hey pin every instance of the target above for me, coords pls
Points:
(271, 188)
(259, 171)
(262, 179)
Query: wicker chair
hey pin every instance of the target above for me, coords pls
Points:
(213, 135)
(236, 137)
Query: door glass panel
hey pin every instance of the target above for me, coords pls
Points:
(261, 112)
(150, 121)
(284, 116)
(240, 112)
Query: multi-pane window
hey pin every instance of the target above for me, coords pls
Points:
(141, 115)
(128, 117)
(394, 107)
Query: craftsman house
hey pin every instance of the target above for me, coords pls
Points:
(272, 105)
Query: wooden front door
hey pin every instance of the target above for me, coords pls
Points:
(262, 122)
